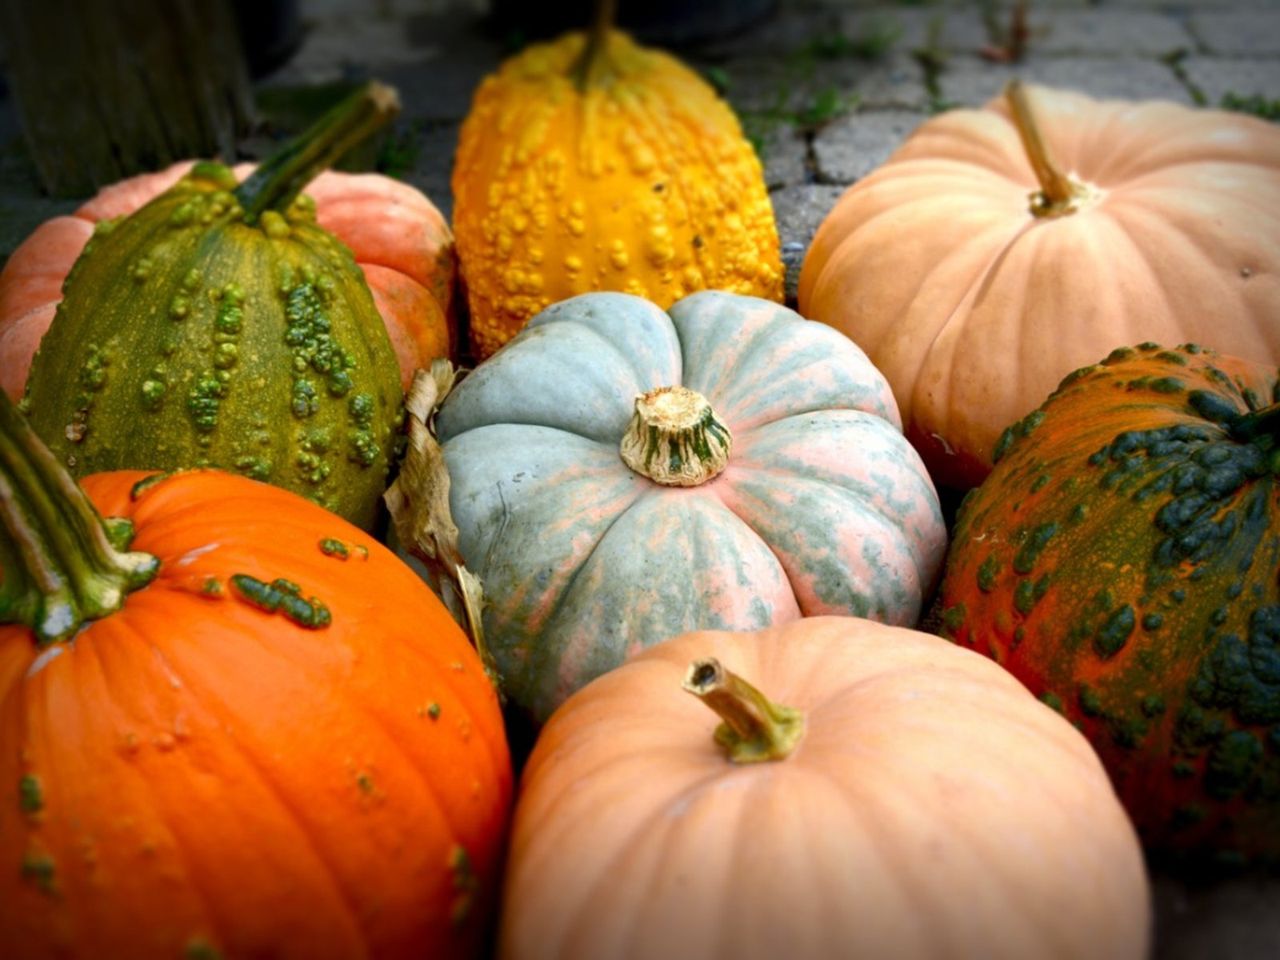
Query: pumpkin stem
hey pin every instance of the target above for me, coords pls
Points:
(587, 66)
(1059, 193)
(62, 564)
(755, 728)
(674, 438)
(275, 184)
(1257, 425)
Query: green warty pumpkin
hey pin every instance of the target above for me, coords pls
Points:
(220, 326)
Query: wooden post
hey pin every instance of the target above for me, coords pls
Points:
(109, 88)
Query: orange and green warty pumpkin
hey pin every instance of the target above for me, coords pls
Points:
(871, 791)
(231, 725)
(1121, 560)
(591, 163)
(999, 249)
(219, 325)
(620, 474)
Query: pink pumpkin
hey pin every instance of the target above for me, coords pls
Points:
(399, 238)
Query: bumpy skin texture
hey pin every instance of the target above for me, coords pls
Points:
(398, 237)
(188, 338)
(823, 507)
(975, 309)
(195, 776)
(932, 809)
(1121, 561)
(642, 183)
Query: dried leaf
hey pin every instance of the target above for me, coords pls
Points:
(418, 501)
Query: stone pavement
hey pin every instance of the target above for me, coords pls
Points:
(828, 89)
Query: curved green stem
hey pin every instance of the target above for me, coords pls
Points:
(62, 564)
(275, 184)
(586, 68)
(755, 728)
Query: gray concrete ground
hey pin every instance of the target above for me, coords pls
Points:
(828, 88)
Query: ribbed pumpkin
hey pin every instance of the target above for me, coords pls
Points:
(619, 475)
(930, 808)
(590, 163)
(978, 272)
(1121, 561)
(398, 237)
(255, 734)
(218, 325)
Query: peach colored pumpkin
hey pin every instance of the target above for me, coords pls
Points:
(932, 808)
(975, 307)
(399, 238)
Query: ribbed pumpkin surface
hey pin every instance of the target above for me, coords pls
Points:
(1122, 561)
(822, 508)
(932, 809)
(188, 338)
(196, 776)
(975, 308)
(640, 182)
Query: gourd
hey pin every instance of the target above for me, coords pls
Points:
(218, 325)
(999, 249)
(234, 725)
(1121, 561)
(398, 237)
(619, 474)
(871, 791)
(591, 163)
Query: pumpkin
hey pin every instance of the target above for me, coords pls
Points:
(619, 475)
(219, 325)
(590, 163)
(977, 274)
(872, 791)
(250, 731)
(399, 238)
(1121, 561)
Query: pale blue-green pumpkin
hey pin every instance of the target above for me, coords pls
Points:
(817, 505)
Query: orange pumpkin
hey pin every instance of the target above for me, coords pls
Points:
(929, 806)
(977, 273)
(278, 743)
(401, 241)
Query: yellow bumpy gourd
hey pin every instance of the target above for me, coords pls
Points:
(592, 163)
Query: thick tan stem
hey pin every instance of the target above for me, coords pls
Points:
(1059, 194)
(674, 438)
(755, 728)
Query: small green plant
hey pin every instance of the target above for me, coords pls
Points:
(881, 35)
(823, 105)
(719, 79)
(1174, 61)
(828, 104)
(1256, 104)
(933, 61)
